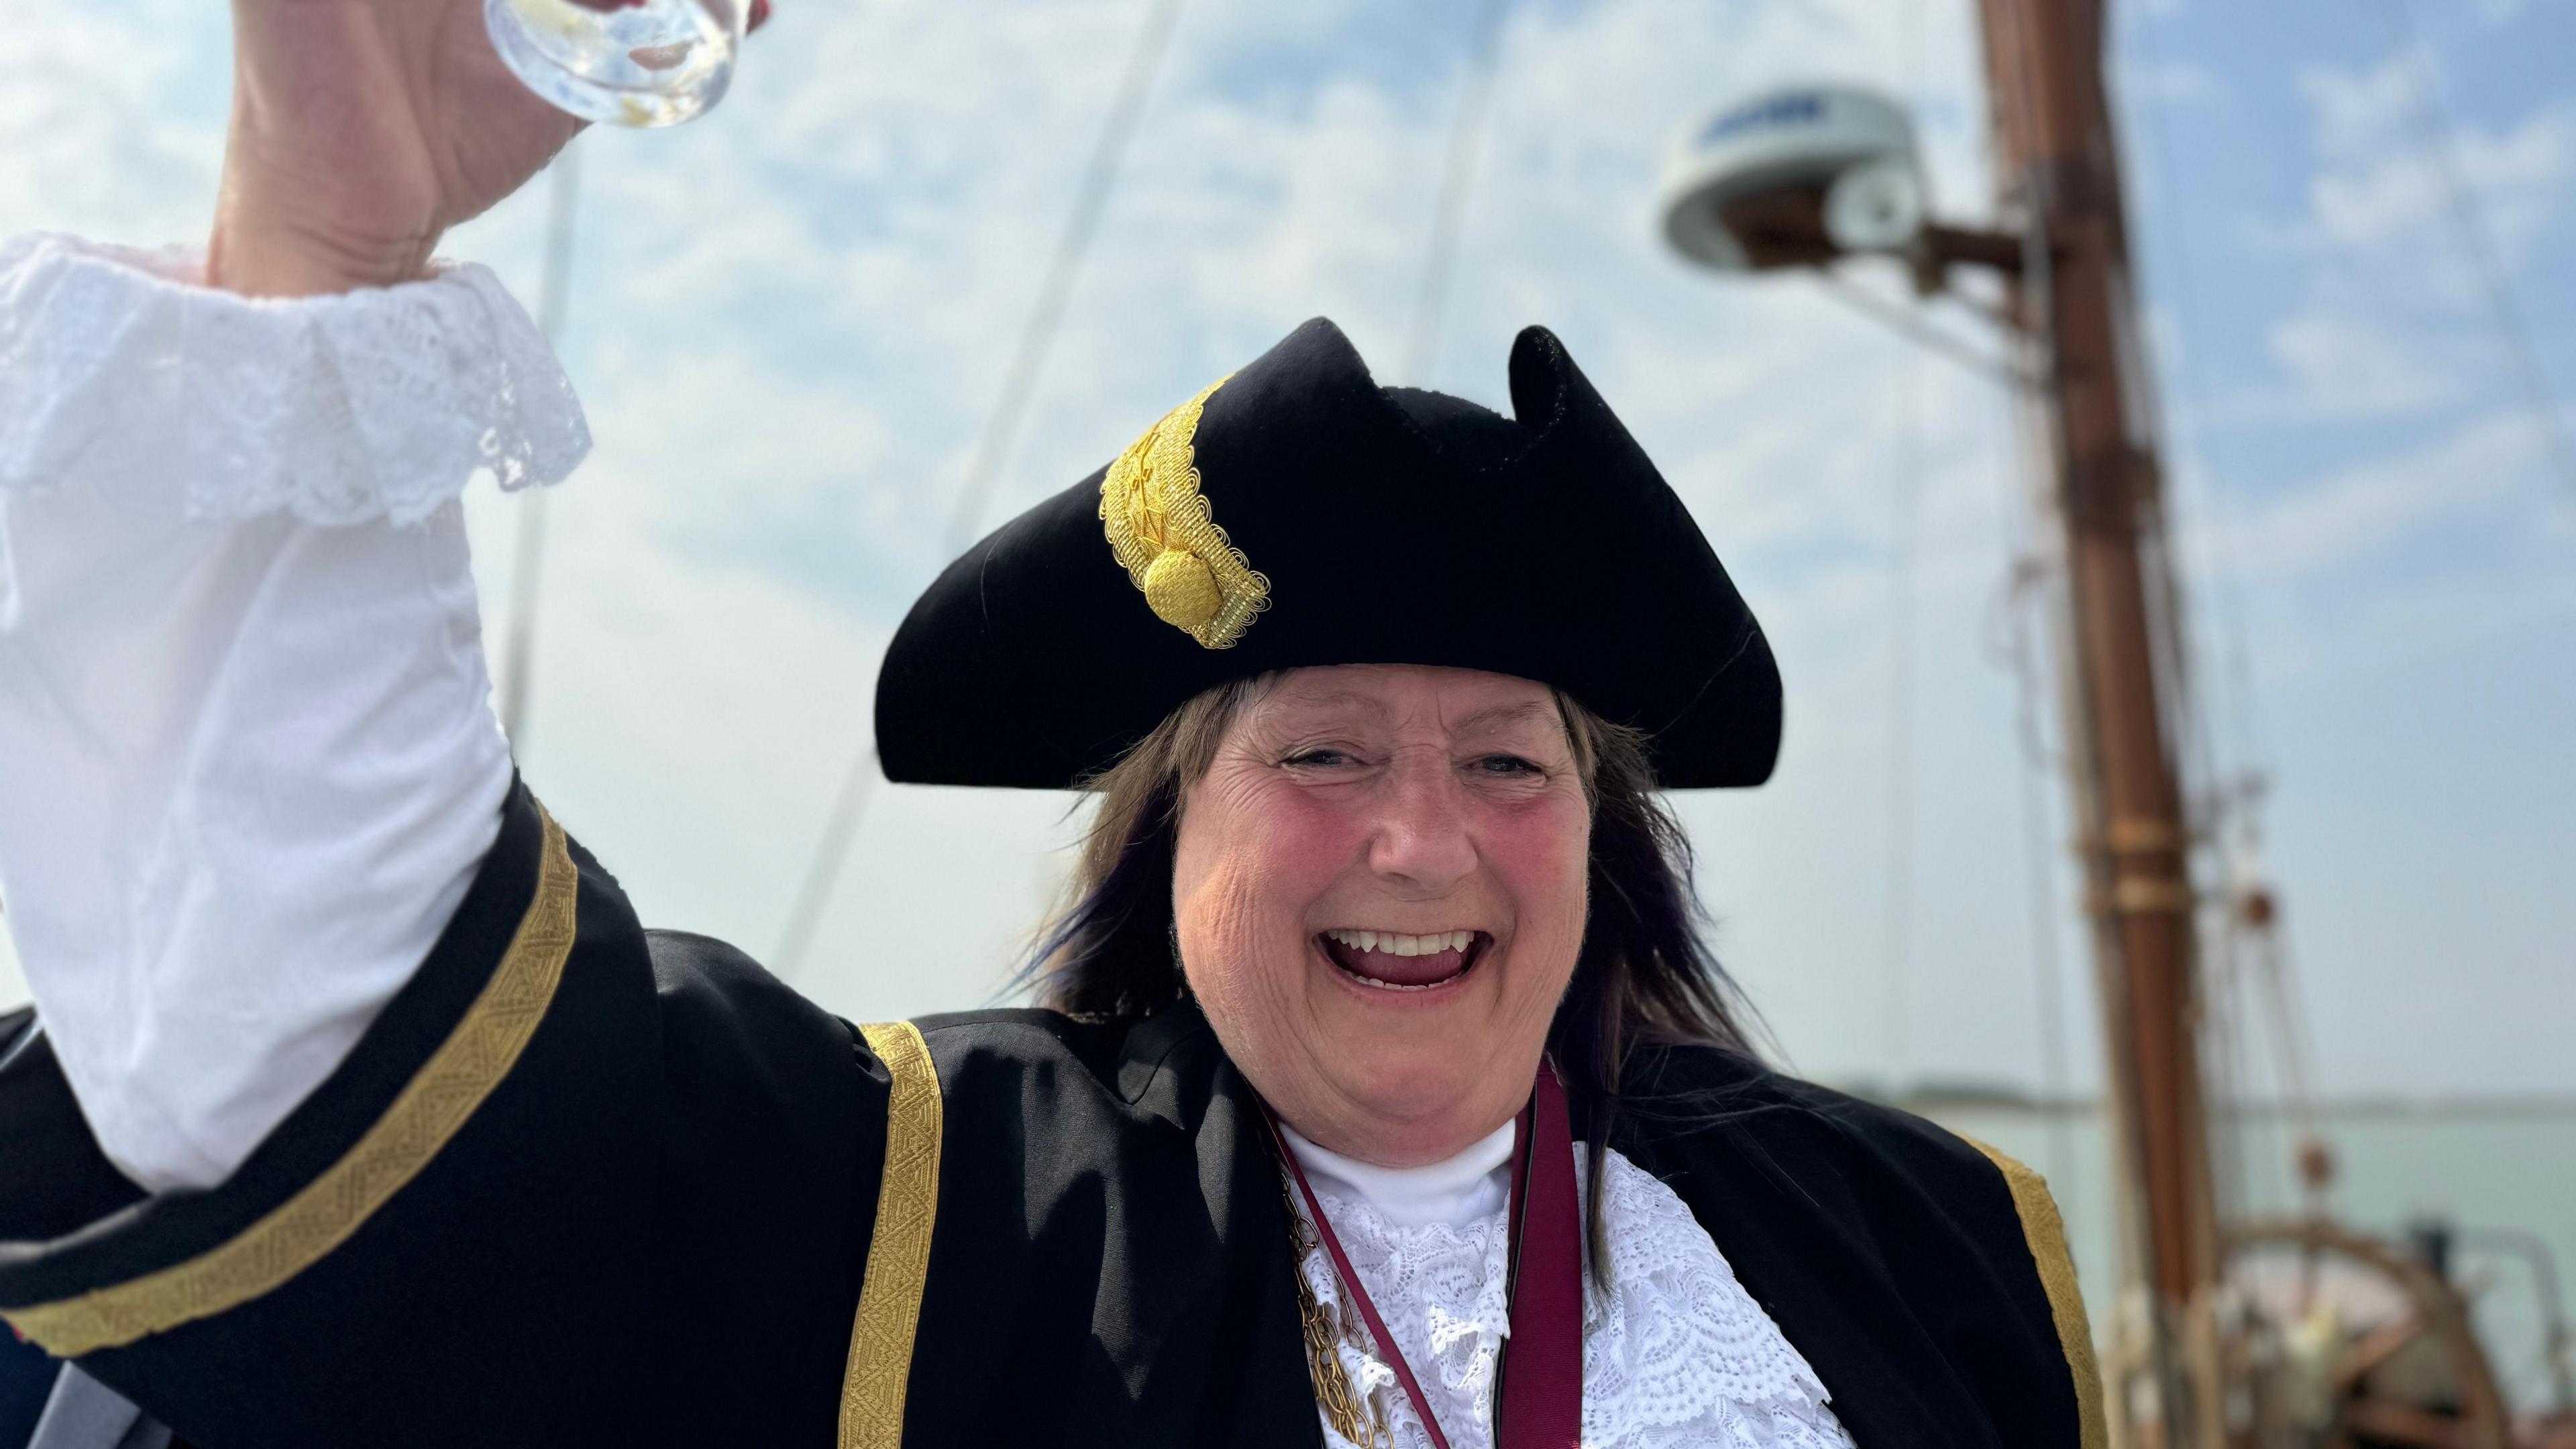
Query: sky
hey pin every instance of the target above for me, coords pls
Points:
(790, 321)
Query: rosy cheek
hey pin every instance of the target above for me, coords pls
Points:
(1541, 856)
(1274, 852)
(1305, 845)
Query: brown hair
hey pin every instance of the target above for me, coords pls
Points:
(1644, 975)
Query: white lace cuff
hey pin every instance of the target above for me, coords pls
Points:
(120, 369)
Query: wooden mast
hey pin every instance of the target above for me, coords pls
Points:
(2176, 1380)
(2058, 168)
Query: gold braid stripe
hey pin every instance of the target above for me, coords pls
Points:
(1162, 532)
(2046, 1235)
(880, 1363)
(300, 1232)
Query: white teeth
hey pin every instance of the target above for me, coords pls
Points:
(1393, 944)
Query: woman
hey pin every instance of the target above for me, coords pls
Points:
(359, 1108)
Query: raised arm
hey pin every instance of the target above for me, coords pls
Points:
(434, 1144)
(251, 765)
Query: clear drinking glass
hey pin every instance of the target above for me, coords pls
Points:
(625, 62)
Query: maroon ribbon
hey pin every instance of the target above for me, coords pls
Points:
(1543, 1387)
(1542, 1368)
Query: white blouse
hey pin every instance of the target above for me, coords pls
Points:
(248, 766)
(1676, 1354)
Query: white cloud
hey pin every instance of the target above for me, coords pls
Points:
(2365, 111)
(2173, 83)
(866, 303)
(2390, 316)
(2341, 365)
(2379, 184)
(104, 126)
(691, 722)
(2515, 178)
(2350, 516)
(791, 320)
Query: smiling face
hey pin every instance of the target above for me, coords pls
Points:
(1379, 885)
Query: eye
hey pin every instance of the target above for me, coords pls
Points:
(1506, 765)
(1323, 758)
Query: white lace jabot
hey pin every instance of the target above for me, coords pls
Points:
(1676, 1354)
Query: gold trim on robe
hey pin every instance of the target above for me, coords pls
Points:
(2045, 1232)
(308, 1226)
(880, 1362)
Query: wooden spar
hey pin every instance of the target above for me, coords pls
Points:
(2178, 1378)
(2059, 168)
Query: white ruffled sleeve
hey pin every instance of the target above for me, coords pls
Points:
(248, 763)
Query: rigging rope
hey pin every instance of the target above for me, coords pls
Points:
(2440, 138)
(1904, 569)
(2234, 760)
(1064, 269)
(1457, 184)
(2240, 702)
(992, 449)
(823, 871)
(1904, 566)
(2033, 369)
(2047, 968)
(1902, 319)
(527, 565)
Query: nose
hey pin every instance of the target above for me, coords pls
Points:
(1421, 843)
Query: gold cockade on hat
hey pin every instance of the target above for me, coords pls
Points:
(1163, 534)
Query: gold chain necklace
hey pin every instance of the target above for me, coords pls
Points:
(1359, 1420)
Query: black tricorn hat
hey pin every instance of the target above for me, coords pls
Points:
(1298, 514)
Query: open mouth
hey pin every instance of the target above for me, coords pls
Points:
(1391, 961)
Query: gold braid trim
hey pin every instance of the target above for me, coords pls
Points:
(880, 1362)
(300, 1232)
(1163, 534)
(2046, 1234)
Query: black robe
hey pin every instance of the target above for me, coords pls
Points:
(587, 1184)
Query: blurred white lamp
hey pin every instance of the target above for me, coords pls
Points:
(1794, 177)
